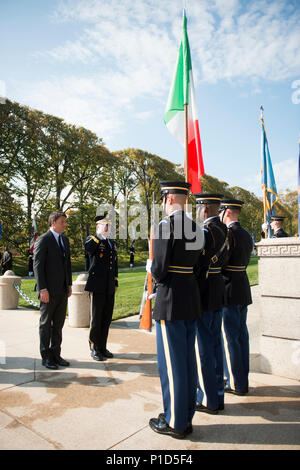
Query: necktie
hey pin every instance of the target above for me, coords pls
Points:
(61, 246)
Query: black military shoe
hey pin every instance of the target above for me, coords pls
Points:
(107, 353)
(61, 362)
(161, 426)
(97, 356)
(49, 363)
(189, 428)
(235, 392)
(204, 409)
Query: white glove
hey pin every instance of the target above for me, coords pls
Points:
(265, 226)
(148, 265)
(152, 296)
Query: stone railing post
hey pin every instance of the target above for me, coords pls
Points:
(279, 288)
(9, 296)
(79, 304)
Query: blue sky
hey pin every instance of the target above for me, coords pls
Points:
(108, 64)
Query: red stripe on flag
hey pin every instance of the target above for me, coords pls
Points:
(195, 159)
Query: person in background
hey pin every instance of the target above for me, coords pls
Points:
(102, 283)
(277, 226)
(6, 261)
(210, 392)
(237, 297)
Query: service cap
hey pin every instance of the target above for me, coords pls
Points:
(174, 187)
(231, 204)
(278, 218)
(208, 198)
(103, 219)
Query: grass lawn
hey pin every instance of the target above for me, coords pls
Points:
(129, 293)
(252, 271)
(128, 297)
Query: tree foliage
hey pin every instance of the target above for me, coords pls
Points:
(47, 164)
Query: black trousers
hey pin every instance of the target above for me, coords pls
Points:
(102, 311)
(52, 320)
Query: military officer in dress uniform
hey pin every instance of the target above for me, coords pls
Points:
(237, 297)
(276, 226)
(102, 283)
(177, 248)
(209, 352)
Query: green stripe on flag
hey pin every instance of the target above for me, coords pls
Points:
(179, 93)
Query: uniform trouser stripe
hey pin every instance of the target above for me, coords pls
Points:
(210, 391)
(201, 395)
(236, 342)
(227, 362)
(170, 373)
(177, 370)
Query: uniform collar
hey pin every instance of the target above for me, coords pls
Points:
(209, 219)
(232, 223)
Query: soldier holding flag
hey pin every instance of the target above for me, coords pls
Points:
(177, 248)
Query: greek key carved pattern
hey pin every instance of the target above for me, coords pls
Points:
(279, 250)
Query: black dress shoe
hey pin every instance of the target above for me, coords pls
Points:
(189, 428)
(204, 409)
(107, 353)
(235, 392)
(50, 364)
(61, 362)
(161, 426)
(97, 356)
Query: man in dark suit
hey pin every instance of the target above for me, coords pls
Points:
(177, 248)
(210, 393)
(276, 226)
(237, 297)
(52, 270)
(102, 283)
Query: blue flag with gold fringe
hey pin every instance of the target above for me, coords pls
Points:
(270, 196)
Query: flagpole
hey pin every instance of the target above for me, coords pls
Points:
(265, 189)
(186, 155)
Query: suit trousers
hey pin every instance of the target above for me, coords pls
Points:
(52, 320)
(236, 343)
(210, 391)
(102, 311)
(177, 368)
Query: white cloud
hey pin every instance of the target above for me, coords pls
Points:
(285, 174)
(127, 50)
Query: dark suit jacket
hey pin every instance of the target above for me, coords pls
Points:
(52, 270)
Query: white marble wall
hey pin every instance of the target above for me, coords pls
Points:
(279, 288)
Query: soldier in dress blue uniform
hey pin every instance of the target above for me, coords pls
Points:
(177, 248)
(210, 393)
(102, 283)
(237, 297)
(276, 226)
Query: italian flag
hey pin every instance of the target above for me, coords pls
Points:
(182, 93)
(34, 237)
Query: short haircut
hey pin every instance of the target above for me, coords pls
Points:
(54, 216)
(235, 211)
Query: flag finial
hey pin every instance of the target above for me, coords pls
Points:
(261, 111)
